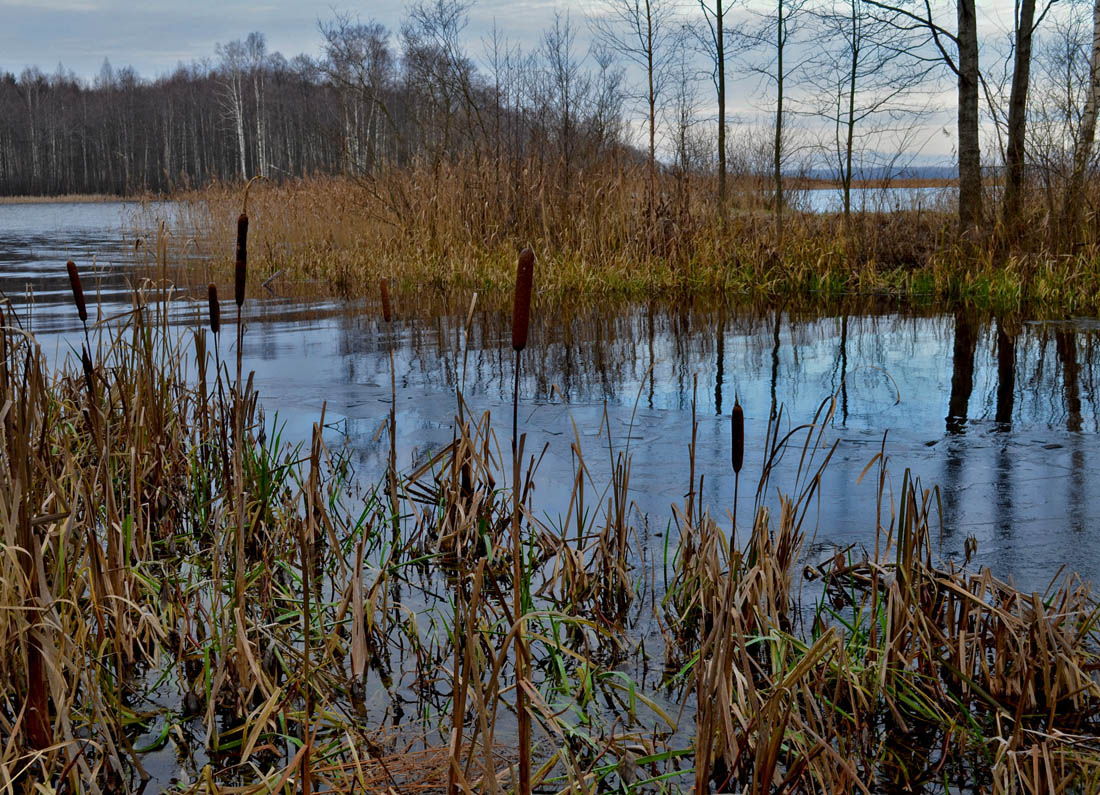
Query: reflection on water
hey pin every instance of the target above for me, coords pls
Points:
(999, 412)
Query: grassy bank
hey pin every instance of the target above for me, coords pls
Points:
(186, 596)
(454, 229)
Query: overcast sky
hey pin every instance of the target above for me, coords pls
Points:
(154, 36)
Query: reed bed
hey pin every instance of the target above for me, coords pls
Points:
(457, 227)
(185, 591)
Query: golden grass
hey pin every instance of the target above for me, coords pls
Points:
(173, 576)
(458, 228)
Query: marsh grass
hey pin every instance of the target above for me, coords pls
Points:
(181, 587)
(455, 229)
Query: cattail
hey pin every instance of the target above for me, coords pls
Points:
(242, 257)
(737, 419)
(387, 310)
(521, 310)
(78, 291)
(215, 308)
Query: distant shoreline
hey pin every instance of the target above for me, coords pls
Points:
(791, 183)
(72, 198)
(809, 183)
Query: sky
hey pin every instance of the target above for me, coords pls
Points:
(156, 35)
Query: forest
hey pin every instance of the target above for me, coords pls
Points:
(839, 89)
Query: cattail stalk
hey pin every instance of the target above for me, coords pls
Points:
(521, 319)
(391, 475)
(737, 432)
(240, 273)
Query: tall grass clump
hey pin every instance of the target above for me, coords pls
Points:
(454, 227)
(184, 589)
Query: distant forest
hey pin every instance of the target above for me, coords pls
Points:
(848, 87)
(251, 111)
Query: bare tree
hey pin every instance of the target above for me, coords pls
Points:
(234, 61)
(713, 39)
(255, 47)
(359, 62)
(682, 119)
(1083, 149)
(568, 89)
(863, 84)
(958, 51)
(436, 65)
(1017, 108)
(641, 30)
(776, 35)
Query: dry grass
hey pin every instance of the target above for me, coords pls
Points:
(458, 228)
(175, 580)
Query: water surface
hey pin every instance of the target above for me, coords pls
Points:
(999, 413)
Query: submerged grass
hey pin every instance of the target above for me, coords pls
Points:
(182, 590)
(455, 228)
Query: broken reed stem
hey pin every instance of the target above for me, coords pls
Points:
(461, 669)
(306, 538)
(521, 318)
(215, 308)
(391, 474)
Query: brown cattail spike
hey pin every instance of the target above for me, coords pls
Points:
(242, 258)
(738, 420)
(78, 291)
(521, 310)
(387, 309)
(215, 308)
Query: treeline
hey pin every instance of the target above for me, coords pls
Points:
(123, 135)
(846, 83)
(363, 105)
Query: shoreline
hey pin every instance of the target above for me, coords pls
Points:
(73, 198)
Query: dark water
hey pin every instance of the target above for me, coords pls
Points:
(1000, 413)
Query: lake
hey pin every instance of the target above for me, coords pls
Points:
(999, 413)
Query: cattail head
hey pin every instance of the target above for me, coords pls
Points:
(242, 258)
(215, 308)
(521, 309)
(78, 291)
(387, 309)
(737, 419)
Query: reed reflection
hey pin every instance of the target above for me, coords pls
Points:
(962, 372)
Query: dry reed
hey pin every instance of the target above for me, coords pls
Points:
(160, 535)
